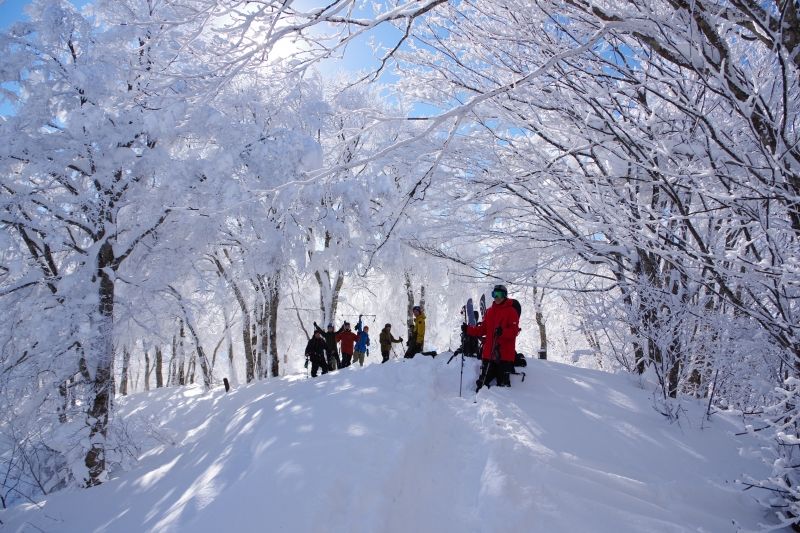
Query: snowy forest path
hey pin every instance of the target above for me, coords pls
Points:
(392, 448)
(436, 467)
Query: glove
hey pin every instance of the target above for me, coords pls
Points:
(464, 328)
(498, 331)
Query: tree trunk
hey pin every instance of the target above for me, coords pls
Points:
(199, 353)
(173, 363)
(103, 356)
(181, 354)
(328, 295)
(246, 338)
(328, 292)
(64, 405)
(537, 302)
(274, 301)
(123, 380)
(147, 370)
(229, 336)
(191, 369)
(409, 306)
(255, 341)
(159, 368)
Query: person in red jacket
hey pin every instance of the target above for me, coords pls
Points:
(347, 340)
(500, 328)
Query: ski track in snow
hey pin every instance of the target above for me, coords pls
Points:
(392, 448)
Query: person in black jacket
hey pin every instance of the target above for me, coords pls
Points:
(315, 351)
(331, 352)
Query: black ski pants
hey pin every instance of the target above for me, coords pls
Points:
(499, 371)
(413, 349)
(317, 363)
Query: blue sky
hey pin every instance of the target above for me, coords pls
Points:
(11, 11)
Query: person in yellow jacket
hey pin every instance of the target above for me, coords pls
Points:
(417, 339)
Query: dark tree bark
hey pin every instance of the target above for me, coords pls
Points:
(274, 302)
(181, 371)
(172, 371)
(103, 351)
(147, 369)
(159, 368)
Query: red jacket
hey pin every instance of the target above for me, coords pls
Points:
(348, 339)
(506, 316)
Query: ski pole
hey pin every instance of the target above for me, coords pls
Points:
(461, 379)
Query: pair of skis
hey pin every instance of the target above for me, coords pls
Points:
(471, 310)
(469, 319)
(468, 313)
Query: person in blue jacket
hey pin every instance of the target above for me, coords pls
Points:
(361, 344)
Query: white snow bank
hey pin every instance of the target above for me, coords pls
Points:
(392, 447)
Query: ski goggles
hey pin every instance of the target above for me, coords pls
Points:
(498, 294)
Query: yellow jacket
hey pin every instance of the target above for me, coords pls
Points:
(419, 328)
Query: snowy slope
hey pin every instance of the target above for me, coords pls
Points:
(392, 447)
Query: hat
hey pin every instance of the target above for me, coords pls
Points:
(417, 308)
(330, 325)
(387, 326)
(500, 289)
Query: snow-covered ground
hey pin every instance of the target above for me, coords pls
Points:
(392, 447)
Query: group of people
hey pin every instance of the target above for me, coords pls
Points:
(323, 349)
(498, 333)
